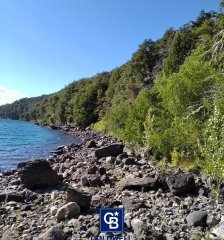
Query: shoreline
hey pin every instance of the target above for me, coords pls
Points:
(61, 137)
(160, 203)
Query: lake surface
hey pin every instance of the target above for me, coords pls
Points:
(21, 141)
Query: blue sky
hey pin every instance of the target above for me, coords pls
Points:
(46, 44)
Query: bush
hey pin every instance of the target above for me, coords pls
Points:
(211, 146)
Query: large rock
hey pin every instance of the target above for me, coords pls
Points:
(93, 231)
(70, 209)
(212, 220)
(181, 183)
(140, 229)
(54, 233)
(111, 150)
(132, 203)
(143, 232)
(218, 230)
(11, 195)
(136, 183)
(37, 173)
(53, 210)
(197, 218)
(83, 199)
(8, 235)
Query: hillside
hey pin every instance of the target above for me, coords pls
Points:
(167, 97)
(85, 101)
(19, 109)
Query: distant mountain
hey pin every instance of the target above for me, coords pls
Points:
(20, 108)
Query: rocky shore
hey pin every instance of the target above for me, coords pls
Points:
(60, 198)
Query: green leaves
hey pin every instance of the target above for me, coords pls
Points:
(185, 100)
(211, 146)
(126, 120)
(182, 44)
(186, 92)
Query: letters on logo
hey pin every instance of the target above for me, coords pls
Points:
(111, 219)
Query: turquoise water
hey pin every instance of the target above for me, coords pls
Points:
(23, 140)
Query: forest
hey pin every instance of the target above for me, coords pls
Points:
(168, 98)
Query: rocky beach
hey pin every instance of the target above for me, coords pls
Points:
(112, 120)
(61, 198)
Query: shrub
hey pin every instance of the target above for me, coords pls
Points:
(211, 146)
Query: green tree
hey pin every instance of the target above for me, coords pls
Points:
(212, 146)
(189, 91)
(134, 122)
(182, 45)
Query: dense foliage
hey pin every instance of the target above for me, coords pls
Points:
(168, 98)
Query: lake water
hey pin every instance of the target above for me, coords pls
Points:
(21, 141)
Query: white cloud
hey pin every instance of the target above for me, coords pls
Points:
(9, 95)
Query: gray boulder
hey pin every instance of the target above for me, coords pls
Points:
(134, 183)
(37, 173)
(140, 229)
(197, 218)
(83, 199)
(70, 209)
(143, 232)
(93, 231)
(54, 233)
(111, 150)
(218, 230)
(132, 203)
(8, 235)
(212, 221)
